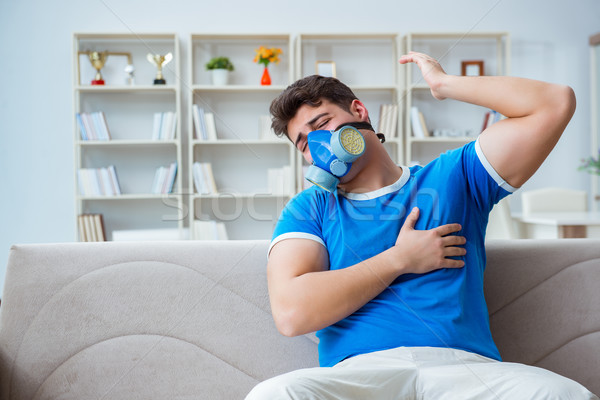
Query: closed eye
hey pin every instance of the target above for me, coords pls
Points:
(322, 124)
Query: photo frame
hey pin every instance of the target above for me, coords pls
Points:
(325, 68)
(472, 68)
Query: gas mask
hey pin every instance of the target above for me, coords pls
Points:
(333, 153)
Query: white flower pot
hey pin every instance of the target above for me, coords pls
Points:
(220, 77)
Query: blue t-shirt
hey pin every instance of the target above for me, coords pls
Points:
(442, 308)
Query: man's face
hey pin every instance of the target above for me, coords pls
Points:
(327, 116)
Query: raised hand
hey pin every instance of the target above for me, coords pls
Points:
(432, 71)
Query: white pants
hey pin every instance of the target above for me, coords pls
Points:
(421, 373)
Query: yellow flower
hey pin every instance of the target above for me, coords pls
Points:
(266, 56)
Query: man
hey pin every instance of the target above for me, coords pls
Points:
(388, 266)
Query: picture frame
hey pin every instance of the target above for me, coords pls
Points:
(325, 68)
(472, 68)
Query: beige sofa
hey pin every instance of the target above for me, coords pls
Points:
(191, 320)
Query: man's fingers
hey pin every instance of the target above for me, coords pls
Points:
(449, 263)
(453, 240)
(448, 229)
(411, 219)
(454, 251)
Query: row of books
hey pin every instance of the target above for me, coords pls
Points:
(280, 180)
(91, 228)
(388, 120)
(210, 230)
(93, 126)
(165, 124)
(419, 127)
(204, 180)
(490, 118)
(98, 181)
(204, 122)
(164, 179)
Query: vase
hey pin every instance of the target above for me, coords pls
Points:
(266, 78)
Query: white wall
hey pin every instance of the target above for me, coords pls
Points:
(549, 40)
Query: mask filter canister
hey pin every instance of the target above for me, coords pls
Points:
(333, 153)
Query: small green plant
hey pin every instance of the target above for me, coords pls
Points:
(591, 165)
(219, 63)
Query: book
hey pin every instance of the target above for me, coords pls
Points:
(99, 227)
(104, 126)
(388, 120)
(95, 182)
(199, 122)
(116, 187)
(164, 179)
(93, 126)
(204, 181)
(91, 228)
(170, 178)
(423, 124)
(211, 129)
(382, 125)
(415, 121)
(164, 126)
(82, 129)
(490, 118)
(156, 125)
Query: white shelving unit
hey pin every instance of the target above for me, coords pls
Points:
(129, 109)
(450, 49)
(241, 155)
(595, 113)
(368, 64)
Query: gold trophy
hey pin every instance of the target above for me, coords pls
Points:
(159, 61)
(98, 58)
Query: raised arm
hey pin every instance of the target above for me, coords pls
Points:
(537, 114)
(306, 296)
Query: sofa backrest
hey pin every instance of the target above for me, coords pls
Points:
(140, 320)
(192, 319)
(544, 304)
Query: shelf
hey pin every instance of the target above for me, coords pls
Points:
(443, 139)
(88, 37)
(238, 142)
(374, 87)
(225, 195)
(458, 35)
(128, 197)
(238, 88)
(125, 89)
(419, 86)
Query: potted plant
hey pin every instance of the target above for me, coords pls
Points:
(591, 165)
(220, 67)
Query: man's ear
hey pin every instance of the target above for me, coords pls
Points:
(358, 109)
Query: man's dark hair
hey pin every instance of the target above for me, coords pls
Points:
(310, 90)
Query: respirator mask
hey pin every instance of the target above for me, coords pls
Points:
(333, 153)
